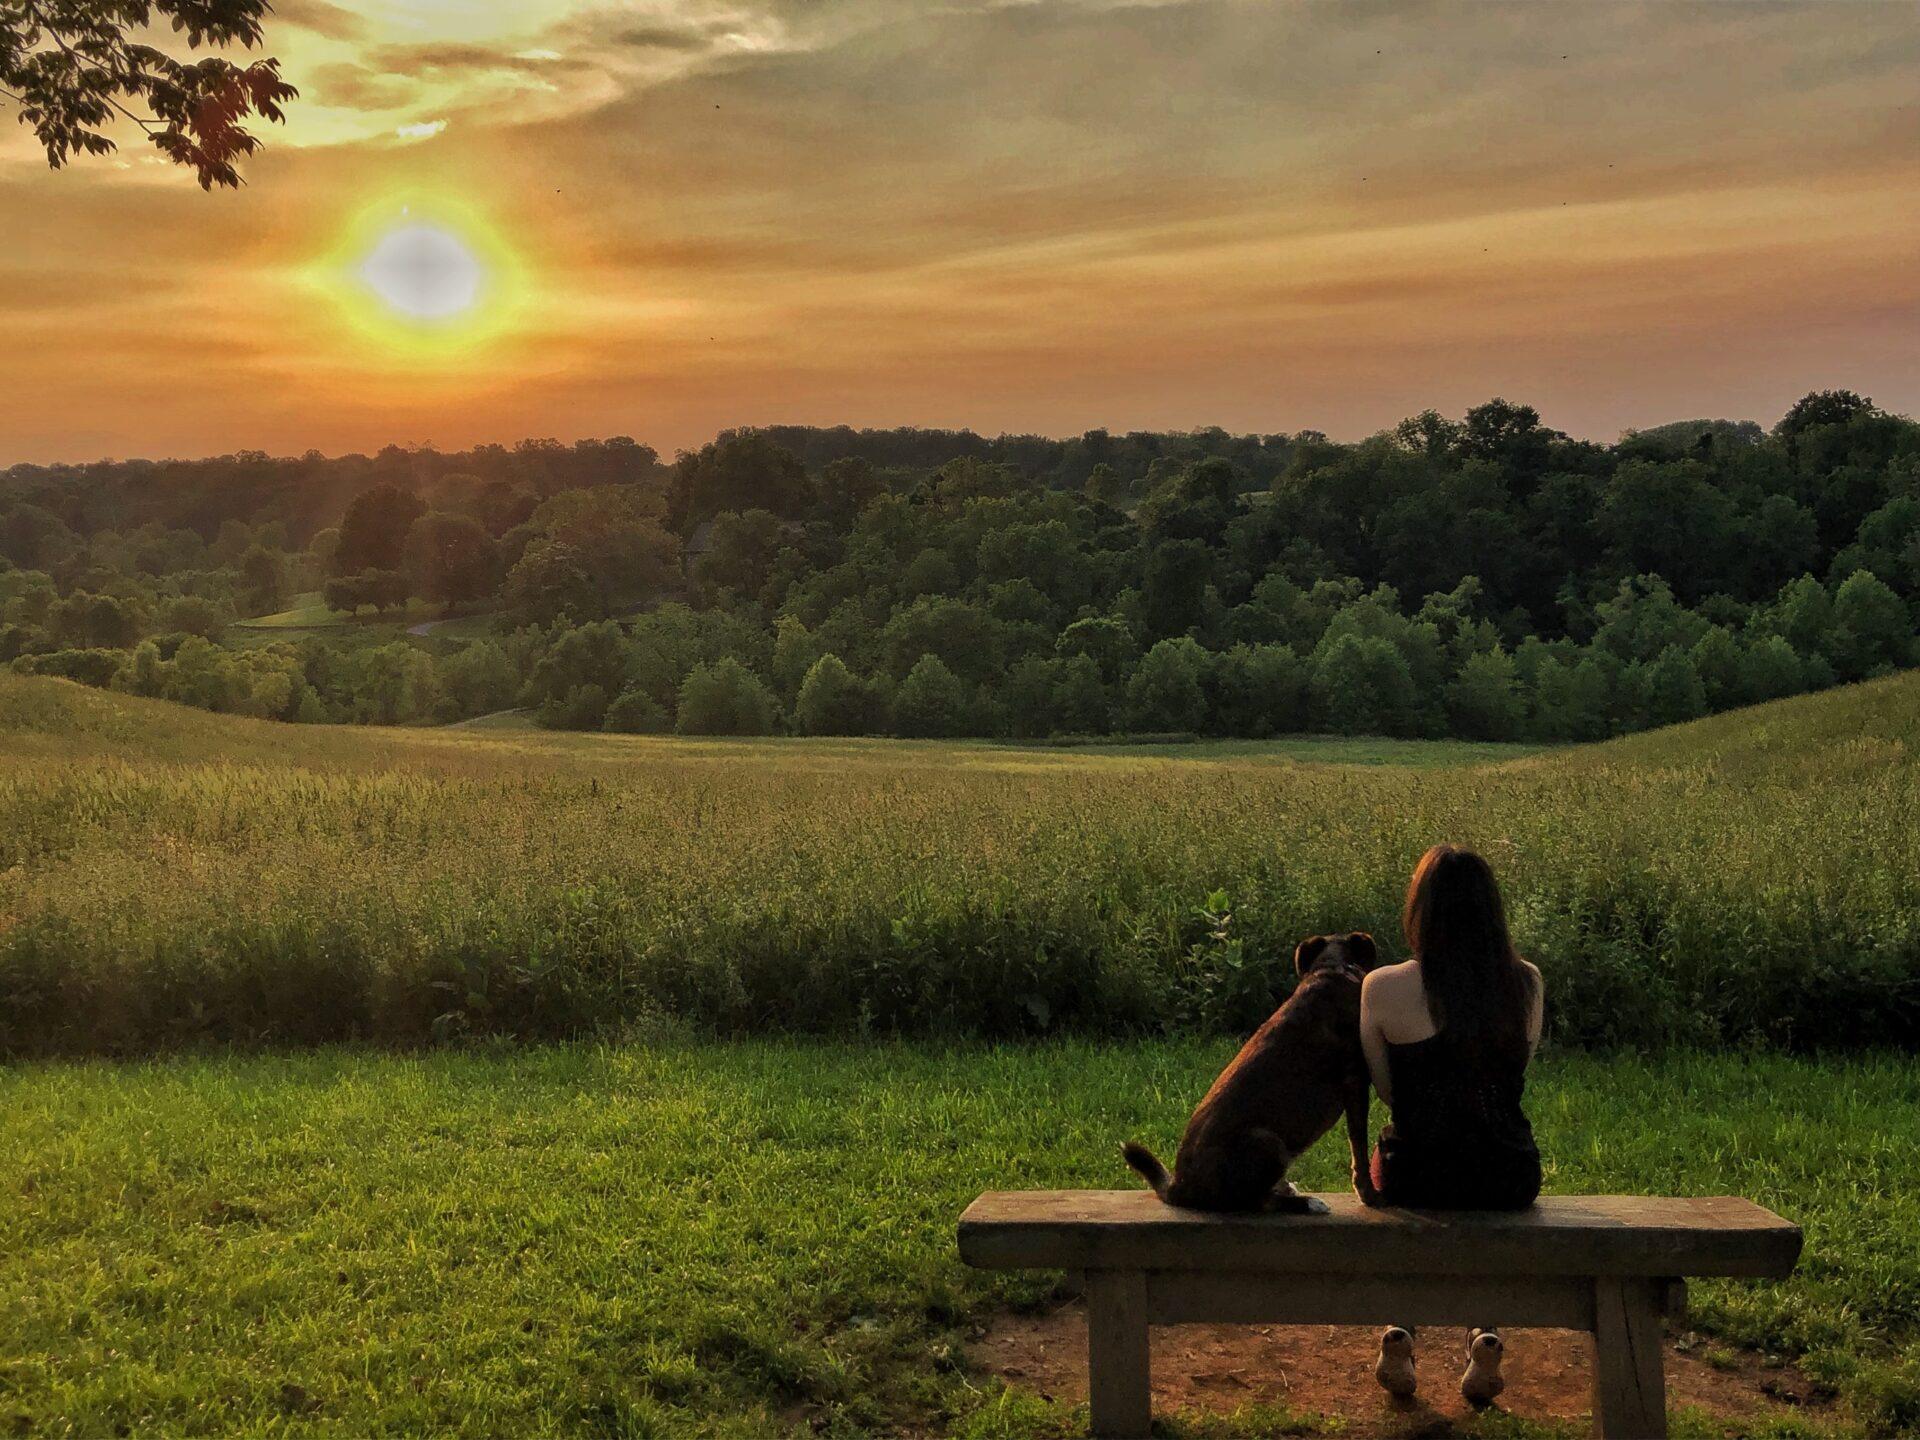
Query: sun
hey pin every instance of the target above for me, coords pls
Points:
(424, 277)
(424, 273)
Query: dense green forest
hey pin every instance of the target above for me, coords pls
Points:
(1487, 578)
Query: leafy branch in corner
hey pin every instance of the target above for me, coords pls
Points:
(73, 66)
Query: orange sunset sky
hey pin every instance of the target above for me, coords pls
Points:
(1011, 216)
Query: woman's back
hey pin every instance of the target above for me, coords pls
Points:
(1459, 1136)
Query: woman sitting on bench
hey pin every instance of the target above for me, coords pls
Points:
(1448, 1034)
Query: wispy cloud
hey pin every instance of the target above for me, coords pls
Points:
(1025, 215)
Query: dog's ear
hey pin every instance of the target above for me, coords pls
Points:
(1306, 952)
(1361, 948)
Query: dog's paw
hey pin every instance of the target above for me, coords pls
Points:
(1314, 1205)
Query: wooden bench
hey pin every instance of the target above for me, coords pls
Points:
(1611, 1265)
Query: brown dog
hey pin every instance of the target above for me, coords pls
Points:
(1285, 1089)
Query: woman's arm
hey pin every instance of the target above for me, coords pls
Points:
(1373, 1040)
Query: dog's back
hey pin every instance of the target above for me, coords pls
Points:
(1286, 1088)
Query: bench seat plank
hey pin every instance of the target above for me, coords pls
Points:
(1565, 1235)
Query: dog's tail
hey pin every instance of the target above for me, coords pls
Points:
(1147, 1165)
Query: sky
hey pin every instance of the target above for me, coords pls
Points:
(1015, 215)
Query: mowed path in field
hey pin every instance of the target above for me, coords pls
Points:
(665, 1237)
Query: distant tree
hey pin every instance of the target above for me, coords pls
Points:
(1107, 485)
(1873, 630)
(1717, 660)
(931, 702)
(741, 552)
(1107, 641)
(634, 712)
(1803, 615)
(549, 584)
(1770, 668)
(374, 532)
(195, 615)
(1256, 690)
(931, 572)
(582, 707)
(1081, 704)
(1570, 700)
(1165, 692)
(1483, 702)
(1886, 543)
(616, 538)
(724, 698)
(33, 537)
(833, 701)
(1176, 587)
(89, 666)
(964, 637)
(739, 470)
(478, 679)
(795, 649)
(1362, 685)
(390, 684)
(1429, 434)
(1511, 437)
(322, 548)
(1670, 689)
(74, 66)
(1643, 619)
(1777, 540)
(84, 620)
(847, 486)
(1671, 520)
(263, 580)
(1821, 407)
(451, 559)
(596, 654)
(1025, 696)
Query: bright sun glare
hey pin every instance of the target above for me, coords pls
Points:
(424, 272)
(425, 279)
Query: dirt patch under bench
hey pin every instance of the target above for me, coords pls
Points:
(1328, 1370)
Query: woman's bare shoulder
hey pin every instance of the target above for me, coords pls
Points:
(1392, 979)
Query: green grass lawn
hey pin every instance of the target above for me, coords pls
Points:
(305, 611)
(684, 1238)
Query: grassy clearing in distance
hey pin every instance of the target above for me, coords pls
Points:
(750, 1239)
(171, 877)
(307, 611)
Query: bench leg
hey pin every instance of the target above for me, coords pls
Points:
(1119, 1381)
(1629, 1379)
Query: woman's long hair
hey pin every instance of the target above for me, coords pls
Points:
(1478, 993)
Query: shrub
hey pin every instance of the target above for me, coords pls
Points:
(584, 707)
(1165, 691)
(724, 698)
(634, 712)
(92, 666)
(930, 702)
(833, 701)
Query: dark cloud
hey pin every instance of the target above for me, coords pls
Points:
(321, 17)
(357, 87)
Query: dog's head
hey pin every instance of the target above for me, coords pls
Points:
(1353, 952)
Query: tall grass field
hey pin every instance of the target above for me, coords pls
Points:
(670, 1064)
(172, 878)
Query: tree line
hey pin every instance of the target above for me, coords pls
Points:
(1485, 577)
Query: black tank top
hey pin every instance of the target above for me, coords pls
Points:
(1459, 1137)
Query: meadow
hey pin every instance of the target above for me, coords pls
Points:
(169, 878)
(679, 1237)
(809, 998)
